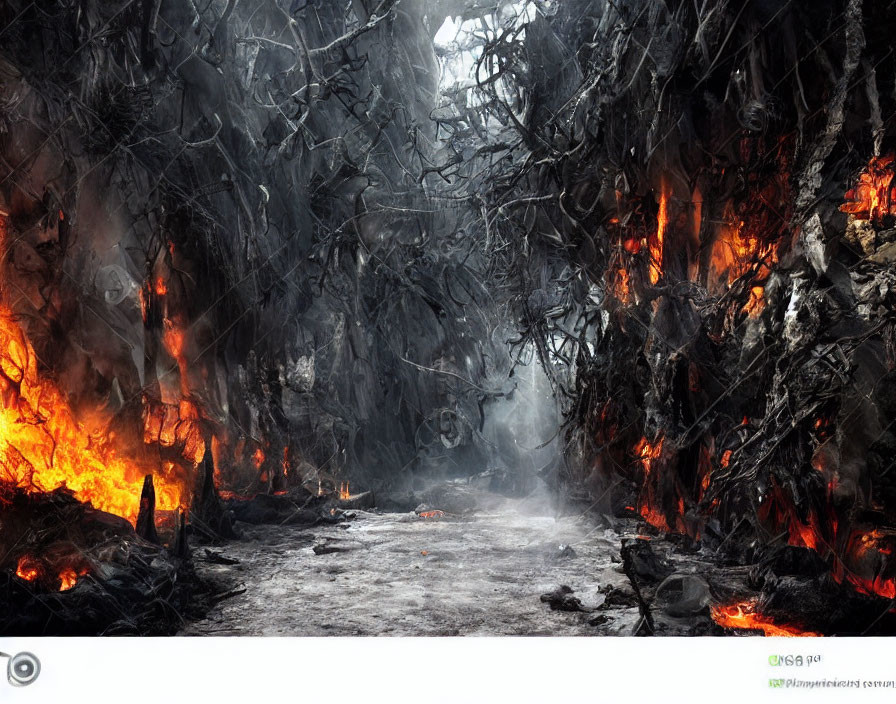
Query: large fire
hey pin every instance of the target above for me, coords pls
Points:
(745, 616)
(43, 446)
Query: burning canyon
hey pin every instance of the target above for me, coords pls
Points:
(447, 317)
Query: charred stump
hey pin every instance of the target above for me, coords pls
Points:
(180, 546)
(208, 516)
(146, 519)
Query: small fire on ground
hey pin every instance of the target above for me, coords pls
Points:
(745, 616)
(32, 570)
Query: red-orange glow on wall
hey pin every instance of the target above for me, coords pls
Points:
(648, 500)
(866, 560)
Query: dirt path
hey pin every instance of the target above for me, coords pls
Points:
(399, 574)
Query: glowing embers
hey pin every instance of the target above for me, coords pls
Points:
(285, 464)
(621, 287)
(36, 571)
(873, 196)
(28, 569)
(344, 492)
(648, 452)
(174, 340)
(865, 561)
(740, 249)
(432, 514)
(745, 616)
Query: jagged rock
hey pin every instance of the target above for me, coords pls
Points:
(561, 599)
(885, 254)
(565, 552)
(146, 519)
(681, 595)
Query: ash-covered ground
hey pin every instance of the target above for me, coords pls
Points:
(398, 574)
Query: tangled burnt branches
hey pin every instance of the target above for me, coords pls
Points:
(259, 226)
(670, 206)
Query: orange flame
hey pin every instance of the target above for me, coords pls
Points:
(27, 569)
(343, 491)
(872, 197)
(44, 445)
(745, 616)
(736, 250)
(864, 563)
(431, 514)
(285, 463)
(756, 304)
(656, 243)
(68, 578)
(648, 452)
